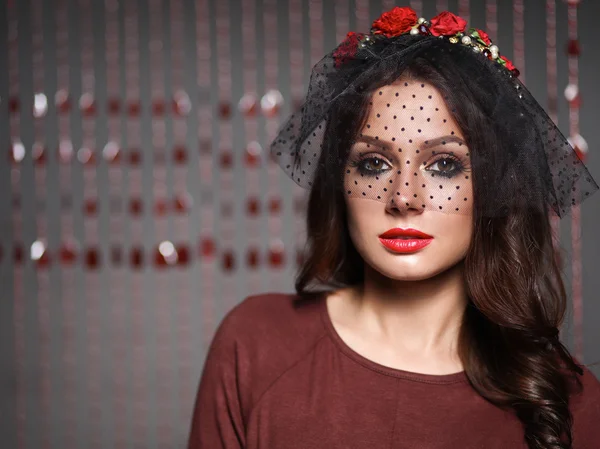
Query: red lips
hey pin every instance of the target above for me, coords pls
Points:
(399, 232)
(405, 241)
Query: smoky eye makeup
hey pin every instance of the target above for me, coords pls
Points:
(444, 164)
(369, 163)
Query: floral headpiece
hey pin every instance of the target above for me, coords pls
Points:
(521, 155)
(404, 20)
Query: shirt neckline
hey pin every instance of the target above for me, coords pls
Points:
(374, 366)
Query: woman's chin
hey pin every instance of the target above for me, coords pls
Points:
(410, 267)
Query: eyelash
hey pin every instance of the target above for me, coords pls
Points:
(359, 163)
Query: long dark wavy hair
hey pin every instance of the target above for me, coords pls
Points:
(509, 341)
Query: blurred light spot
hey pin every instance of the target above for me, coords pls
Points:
(276, 253)
(254, 148)
(84, 155)
(571, 92)
(65, 151)
(110, 151)
(253, 153)
(18, 151)
(183, 104)
(40, 105)
(86, 103)
(271, 102)
(579, 144)
(167, 250)
(247, 104)
(61, 100)
(37, 152)
(37, 250)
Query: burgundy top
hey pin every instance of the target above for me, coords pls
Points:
(278, 375)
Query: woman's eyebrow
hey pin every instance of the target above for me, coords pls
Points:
(374, 141)
(429, 143)
(442, 141)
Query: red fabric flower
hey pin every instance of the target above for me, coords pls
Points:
(347, 49)
(395, 22)
(509, 64)
(446, 24)
(484, 36)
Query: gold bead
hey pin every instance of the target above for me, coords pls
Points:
(454, 40)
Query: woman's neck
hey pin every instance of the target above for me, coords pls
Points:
(418, 319)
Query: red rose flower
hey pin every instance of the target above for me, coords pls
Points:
(446, 24)
(484, 36)
(509, 65)
(347, 49)
(395, 22)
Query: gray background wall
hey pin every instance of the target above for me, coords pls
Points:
(122, 128)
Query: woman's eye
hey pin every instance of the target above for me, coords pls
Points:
(375, 163)
(372, 165)
(447, 167)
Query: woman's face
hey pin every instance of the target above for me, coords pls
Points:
(409, 168)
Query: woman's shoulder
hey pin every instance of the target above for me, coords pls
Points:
(260, 339)
(275, 312)
(272, 322)
(585, 407)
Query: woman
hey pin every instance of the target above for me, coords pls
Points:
(432, 175)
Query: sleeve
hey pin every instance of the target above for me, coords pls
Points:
(217, 421)
(586, 413)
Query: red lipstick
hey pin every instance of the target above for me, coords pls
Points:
(405, 240)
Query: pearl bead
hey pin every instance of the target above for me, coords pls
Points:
(367, 38)
(494, 49)
(421, 20)
(414, 31)
(476, 49)
(494, 54)
(466, 40)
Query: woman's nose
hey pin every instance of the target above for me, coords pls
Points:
(406, 190)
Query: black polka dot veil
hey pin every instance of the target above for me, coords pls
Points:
(426, 124)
